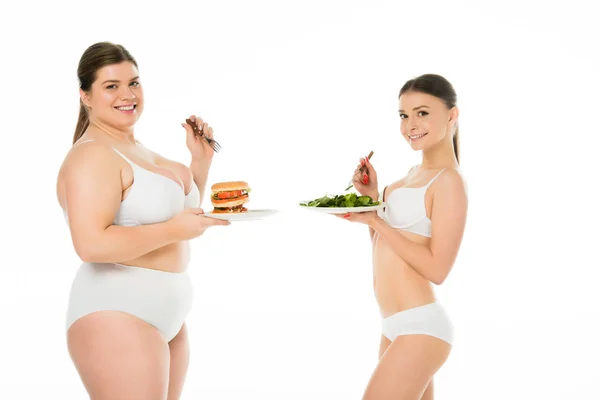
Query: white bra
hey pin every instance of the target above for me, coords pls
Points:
(405, 209)
(152, 198)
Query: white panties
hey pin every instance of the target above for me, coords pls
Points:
(162, 299)
(430, 319)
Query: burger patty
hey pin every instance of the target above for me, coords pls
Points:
(235, 209)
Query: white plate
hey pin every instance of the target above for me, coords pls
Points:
(344, 210)
(250, 215)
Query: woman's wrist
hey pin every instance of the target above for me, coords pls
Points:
(374, 194)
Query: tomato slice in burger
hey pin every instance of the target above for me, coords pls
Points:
(229, 195)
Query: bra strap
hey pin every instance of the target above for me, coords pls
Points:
(80, 143)
(116, 151)
(435, 177)
(122, 156)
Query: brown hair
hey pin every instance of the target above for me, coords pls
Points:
(438, 86)
(95, 57)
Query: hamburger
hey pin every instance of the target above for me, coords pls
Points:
(229, 197)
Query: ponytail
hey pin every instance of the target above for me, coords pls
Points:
(456, 143)
(82, 123)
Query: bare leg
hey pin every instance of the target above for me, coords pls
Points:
(118, 356)
(407, 367)
(180, 359)
(383, 345)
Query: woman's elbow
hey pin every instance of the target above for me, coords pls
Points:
(88, 252)
(440, 275)
(86, 255)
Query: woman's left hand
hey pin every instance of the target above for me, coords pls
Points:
(197, 145)
(366, 218)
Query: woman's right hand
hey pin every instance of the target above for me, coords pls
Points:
(191, 223)
(365, 182)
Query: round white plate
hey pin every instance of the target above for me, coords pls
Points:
(344, 210)
(250, 215)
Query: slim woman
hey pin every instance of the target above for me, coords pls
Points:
(130, 213)
(415, 241)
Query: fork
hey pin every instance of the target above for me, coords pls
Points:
(211, 142)
(362, 169)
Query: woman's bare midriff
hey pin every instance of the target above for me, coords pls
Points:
(398, 286)
(173, 257)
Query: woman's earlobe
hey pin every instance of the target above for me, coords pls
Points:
(85, 103)
(83, 97)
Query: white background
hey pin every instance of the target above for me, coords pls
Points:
(297, 92)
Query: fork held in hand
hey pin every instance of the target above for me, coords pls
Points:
(362, 169)
(197, 131)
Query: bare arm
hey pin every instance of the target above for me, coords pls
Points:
(92, 184)
(448, 217)
(200, 168)
(372, 231)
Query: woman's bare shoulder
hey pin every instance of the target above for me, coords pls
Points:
(451, 182)
(89, 154)
(90, 159)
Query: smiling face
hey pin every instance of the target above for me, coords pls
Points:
(425, 120)
(116, 97)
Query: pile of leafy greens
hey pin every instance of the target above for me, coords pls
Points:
(342, 200)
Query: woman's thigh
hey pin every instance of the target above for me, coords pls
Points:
(406, 368)
(119, 356)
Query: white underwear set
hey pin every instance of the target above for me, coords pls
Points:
(162, 299)
(405, 210)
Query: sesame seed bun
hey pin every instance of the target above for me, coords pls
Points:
(227, 186)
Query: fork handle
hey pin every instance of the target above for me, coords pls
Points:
(195, 127)
(362, 169)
